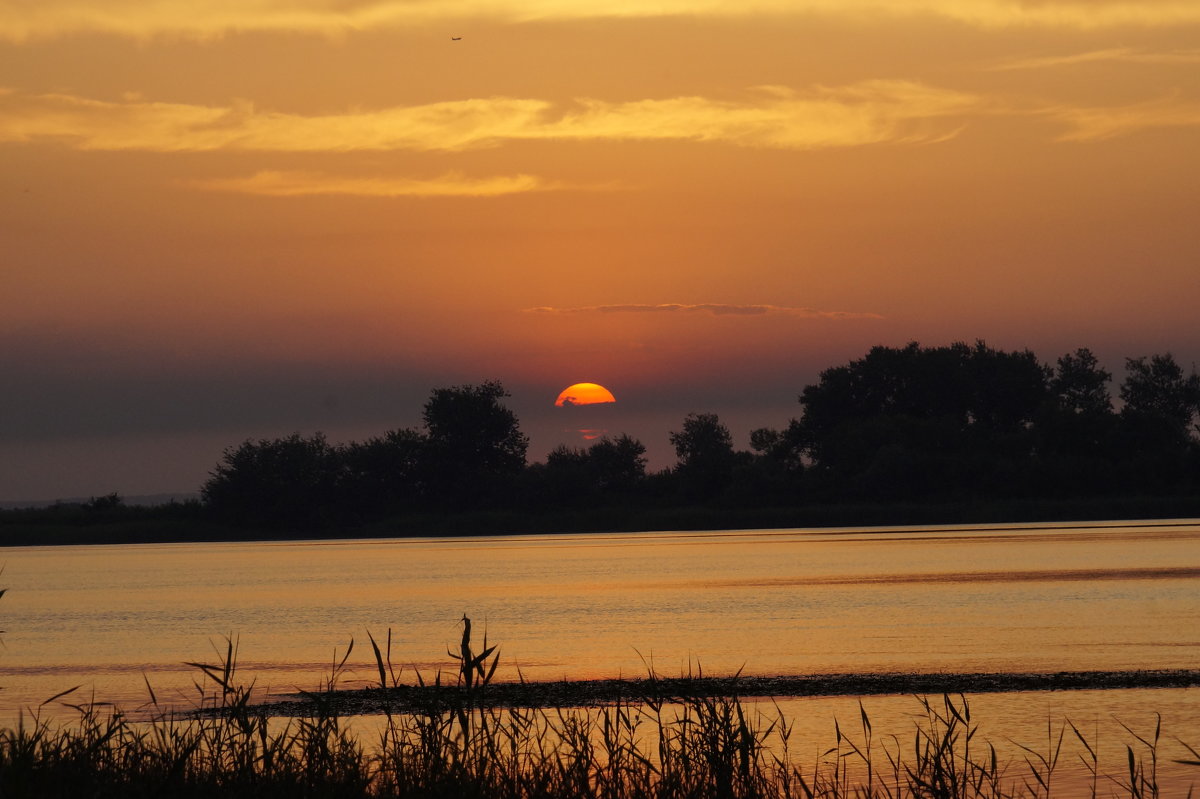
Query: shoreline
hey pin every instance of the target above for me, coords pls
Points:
(596, 693)
(148, 528)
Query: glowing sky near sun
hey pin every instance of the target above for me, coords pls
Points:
(225, 220)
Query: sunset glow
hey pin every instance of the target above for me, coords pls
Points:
(238, 220)
(584, 394)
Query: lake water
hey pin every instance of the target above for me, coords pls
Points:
(972, 599)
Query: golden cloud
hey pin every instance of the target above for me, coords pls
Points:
(866, 113)
(172, 127)
(1069, 14)
(871, 112)
(1114, 55)
(299, 184)
(1096, 124)
(142, 18)
(711, 308)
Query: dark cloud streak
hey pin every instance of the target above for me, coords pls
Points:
(712, 308)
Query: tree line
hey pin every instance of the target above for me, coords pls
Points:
(924, 424)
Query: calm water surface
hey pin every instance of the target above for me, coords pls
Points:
(1028, 598)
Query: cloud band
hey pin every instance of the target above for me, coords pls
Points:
(141, 19)
(711, 308)
(301, 184)
(869, 112)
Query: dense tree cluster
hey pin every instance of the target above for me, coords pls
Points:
(611, 468)
(914, 423)
(470, 455)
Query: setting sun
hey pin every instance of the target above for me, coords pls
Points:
(584, 394)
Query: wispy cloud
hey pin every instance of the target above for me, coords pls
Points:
(142, 19)
(870, 112)
(136, 124)
(1063, 14)
(1096, 124)
(298, 184)
(710, 308)
(1114, 55)
(866, 113)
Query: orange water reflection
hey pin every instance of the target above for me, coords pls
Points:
(1110, 596)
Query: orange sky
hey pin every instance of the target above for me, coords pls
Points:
(242, 219)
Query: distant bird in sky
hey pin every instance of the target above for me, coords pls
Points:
(456, 38)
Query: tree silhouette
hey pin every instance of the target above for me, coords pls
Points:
(104, 504)
(920, 421)
(1076, 431)
(774, 473)
(289, 482)
(961, 422)
(1159, 445)
(704, 448)
(618, 464)
(475, 446)
(1005, 391)
(609, 469)
(386, 474)
(1160, 401)
(565, 480)
(1080, 386)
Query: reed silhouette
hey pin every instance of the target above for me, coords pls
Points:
(458, 743)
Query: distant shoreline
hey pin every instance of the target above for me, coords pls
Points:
(32, 529)
(137, 500)
(592, 693)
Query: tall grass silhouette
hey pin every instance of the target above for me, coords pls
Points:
(459, 743)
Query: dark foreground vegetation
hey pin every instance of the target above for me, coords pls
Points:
(963, 433)
(458, 741)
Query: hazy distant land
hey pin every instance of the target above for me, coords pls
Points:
(140, 500)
